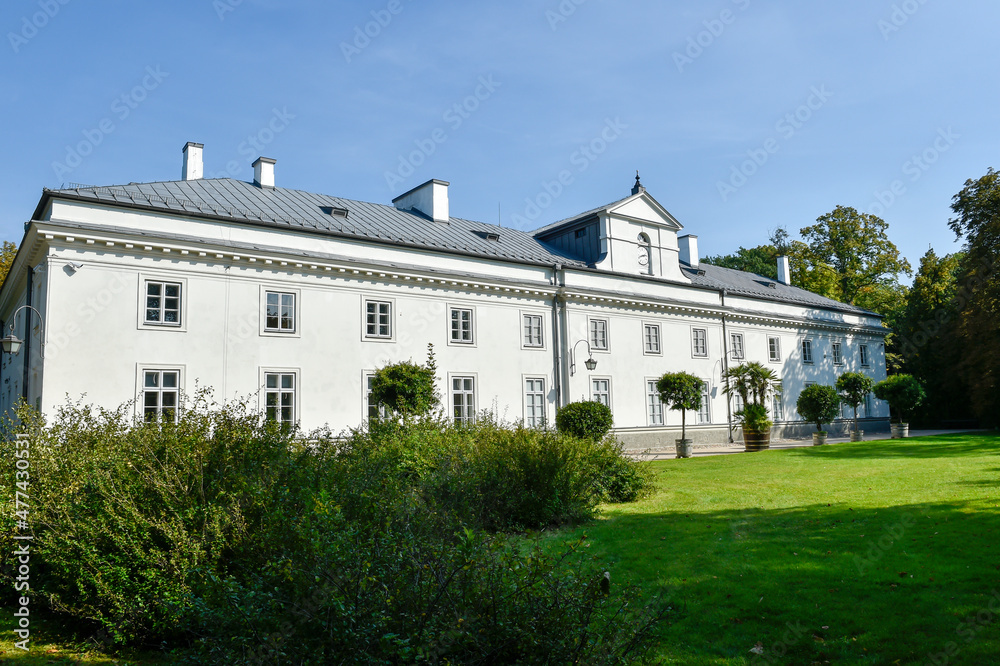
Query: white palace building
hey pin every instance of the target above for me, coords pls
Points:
(146, 291)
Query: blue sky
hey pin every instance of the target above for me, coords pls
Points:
(740, 115)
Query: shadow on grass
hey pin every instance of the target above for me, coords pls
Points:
(939, 446)
(818, 583)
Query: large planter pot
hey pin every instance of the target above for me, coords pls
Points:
(857, 435)
(900, 430)
(819, 438)
(684, 448)
(756, 441)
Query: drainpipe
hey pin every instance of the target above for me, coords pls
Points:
(27, 335)
(557, 356)
(725, 367)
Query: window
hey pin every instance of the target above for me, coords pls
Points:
(602, 391)
(163, 303)
(838, 358)
(378, 319)
(580, 233)
(372, 410)
(463, 400)
(599, 334)
(699, 342)
(736, 345)
(279, 397)
(160, 395)
(279, 315)
(777, 404)
(534, 403)
(807, 351)
(533, 330)
(651, 339)
(461, 326)
(863, 350)
(654, 407)
(868, 406)
(645, 255)
(773, 349)
(705, 413)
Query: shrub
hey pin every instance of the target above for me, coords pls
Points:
(853, 387)
(587, 419)
(819, 404)
(754, 418)
(681, 390)
(407, 388)
(904, 393)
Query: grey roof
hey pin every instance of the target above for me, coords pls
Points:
(229, 199)
(756, 286)
(226, 198)
(580, 216)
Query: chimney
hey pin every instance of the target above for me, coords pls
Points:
(689, 249)
(263, 172)
(431, 199)
(193, 169)
(784, 274)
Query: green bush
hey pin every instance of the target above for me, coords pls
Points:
(587, 419)
(754, 418)
(904, 393)
(681, 391)
(853, 387)
(818, 404)
(407, 388)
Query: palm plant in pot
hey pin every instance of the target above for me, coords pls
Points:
(755, 384)
(904, 393)
(853, 388)
(681, 391)
(818, 404)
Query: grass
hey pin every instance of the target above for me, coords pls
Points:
(55, 644)
(876, 553)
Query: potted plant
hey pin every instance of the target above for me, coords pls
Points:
(682, 391)
(903, 393)
(755, 384)
(818, 404)
(853, 387)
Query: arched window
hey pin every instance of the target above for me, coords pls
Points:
(645, 255)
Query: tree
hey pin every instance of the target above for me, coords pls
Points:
(903, 393)
(587, 419)
(761, 260)
(853, 388)
(7, 254)
(855, 247)
(819, 404)
(681, 390)
(407, 388)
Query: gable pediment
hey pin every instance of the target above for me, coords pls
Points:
(645, 209)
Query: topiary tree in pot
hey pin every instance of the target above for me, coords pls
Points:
(587, 419)
(853, 387)
(755, 384)
(682, 391)
(904, 393)
(819, 404)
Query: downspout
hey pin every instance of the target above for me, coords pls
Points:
(27, 334)
(557, 357)
(725, 367)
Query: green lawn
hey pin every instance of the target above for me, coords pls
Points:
(876, 552)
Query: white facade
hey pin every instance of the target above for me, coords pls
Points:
(142, 291)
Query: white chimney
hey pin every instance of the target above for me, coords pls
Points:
(689, 249)
(193, 169)
(784, 274)
(431, 199)
(263, 172)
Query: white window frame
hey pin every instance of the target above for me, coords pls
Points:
(467, 419)
(366, 378)
(460, 342)
(533, 420)
(812, 350)
(706, 403)
(144, 280)
(391, 302)
(774, 351)
(593, 393)
(295, 390)
(296, 313)
(525, 342)
(607, 334)
(140, 383)
(837, 352)
(864, 355)
(778, 403)
(694, 342)
(646, 350)
(654, 406)
(733, 337)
